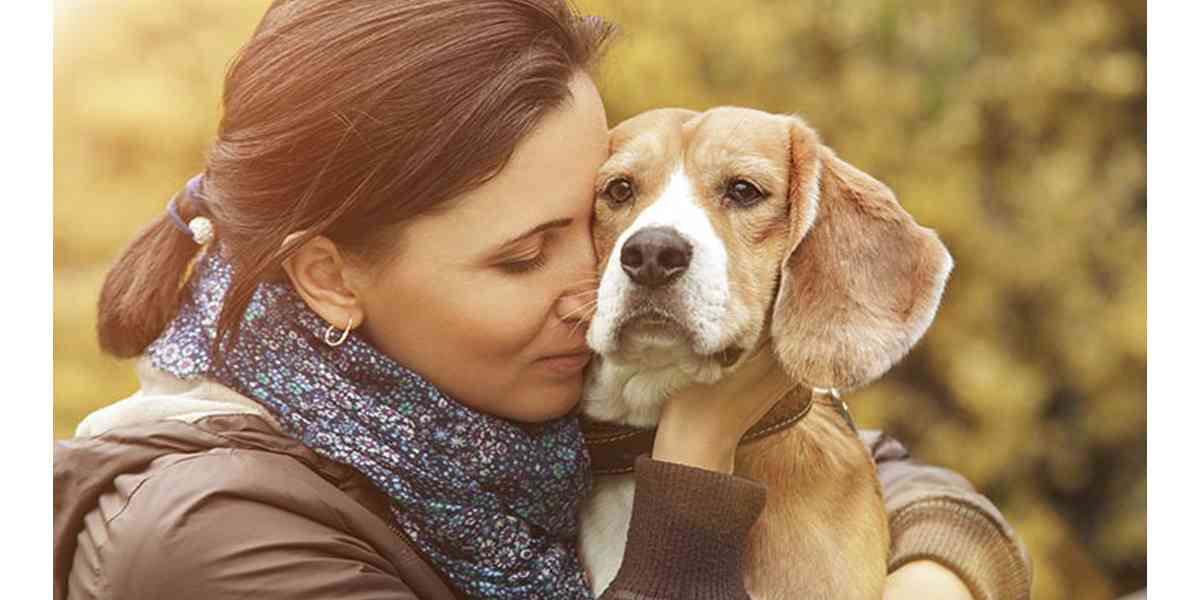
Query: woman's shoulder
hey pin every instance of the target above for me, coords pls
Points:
(177, 536)
(178, 489)
(224, 520)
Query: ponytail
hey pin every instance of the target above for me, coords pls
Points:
(143, 289)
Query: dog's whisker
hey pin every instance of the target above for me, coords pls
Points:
(591, 283)
(585, 310)
(580, 293)
(584, 307)
(579, 323)
(575, 328)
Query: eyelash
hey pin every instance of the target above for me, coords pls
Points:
(526, 266)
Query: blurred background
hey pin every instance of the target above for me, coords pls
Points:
(1015, 129)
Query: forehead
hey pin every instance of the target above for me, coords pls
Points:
(724, 134)
(549, 176)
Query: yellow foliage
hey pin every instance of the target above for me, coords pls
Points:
(1015, 129)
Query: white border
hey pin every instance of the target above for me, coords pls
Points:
(26, 239)
(1173, 415)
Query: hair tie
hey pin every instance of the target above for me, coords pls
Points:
(200, 229)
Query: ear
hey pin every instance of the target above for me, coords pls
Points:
(325, 280)
(860, 281)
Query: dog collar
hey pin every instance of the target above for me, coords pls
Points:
(613, 448)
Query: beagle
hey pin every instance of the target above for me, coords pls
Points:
(718, 232)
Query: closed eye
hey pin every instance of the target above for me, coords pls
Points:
(525, 266)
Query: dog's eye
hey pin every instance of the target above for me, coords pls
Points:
(619, 191)
(743, 193)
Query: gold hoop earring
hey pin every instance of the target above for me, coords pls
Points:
(346, 332)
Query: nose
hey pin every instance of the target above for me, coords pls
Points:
(655, 256)
(577, 304)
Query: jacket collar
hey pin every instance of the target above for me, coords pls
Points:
(165, 396)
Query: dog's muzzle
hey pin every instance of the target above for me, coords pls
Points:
(663, 285)
(655, 256)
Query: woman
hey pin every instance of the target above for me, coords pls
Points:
(365, 385)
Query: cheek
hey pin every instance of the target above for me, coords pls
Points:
(508, 315)
(446, 316)
(488, 321)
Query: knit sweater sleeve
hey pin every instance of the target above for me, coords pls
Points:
(687, 534)
(935, 514)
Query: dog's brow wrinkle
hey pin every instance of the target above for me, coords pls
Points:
(738, 125)
(777, 223)
(624, 160)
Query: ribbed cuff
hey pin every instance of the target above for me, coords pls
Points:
(687, 534)
(958, 536)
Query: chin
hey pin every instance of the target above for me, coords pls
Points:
(549, 402)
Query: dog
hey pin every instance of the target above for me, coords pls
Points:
(719, 232)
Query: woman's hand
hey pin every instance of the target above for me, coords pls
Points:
(701, 425)
(924, 580)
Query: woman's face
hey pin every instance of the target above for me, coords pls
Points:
(487, 299)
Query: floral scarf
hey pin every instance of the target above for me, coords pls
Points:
(492, 505)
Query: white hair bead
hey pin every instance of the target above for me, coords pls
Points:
(202, 230)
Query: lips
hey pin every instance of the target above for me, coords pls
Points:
(572, 353)
(567, 363)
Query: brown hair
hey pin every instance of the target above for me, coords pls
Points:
(343, 119)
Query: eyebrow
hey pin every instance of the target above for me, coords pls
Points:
(563, 222)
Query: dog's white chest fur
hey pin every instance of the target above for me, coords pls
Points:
(605, 523)
(633, 394)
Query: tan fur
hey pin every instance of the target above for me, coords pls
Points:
(841, 280)
(863, 281)
(823, 532)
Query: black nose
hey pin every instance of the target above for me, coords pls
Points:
(655, 256)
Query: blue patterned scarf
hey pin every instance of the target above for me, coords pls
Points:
(490, 504)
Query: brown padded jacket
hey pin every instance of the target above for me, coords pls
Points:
(217, 503)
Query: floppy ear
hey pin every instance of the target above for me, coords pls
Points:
(860, 281)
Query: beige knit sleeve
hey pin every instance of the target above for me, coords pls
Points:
(935, 514)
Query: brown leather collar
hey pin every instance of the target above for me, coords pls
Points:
(614, 448)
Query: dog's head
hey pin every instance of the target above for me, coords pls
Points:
(717, 228)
